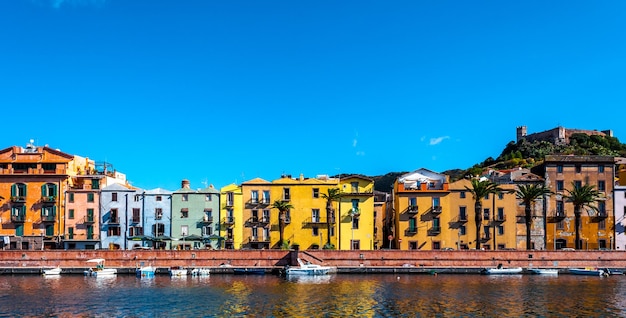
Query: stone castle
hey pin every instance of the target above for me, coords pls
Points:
(558, 135)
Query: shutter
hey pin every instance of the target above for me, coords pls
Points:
(54, 190)
(44, 193)
(14, 190)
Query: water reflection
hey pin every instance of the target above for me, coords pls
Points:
(309, 279)
(333, 296)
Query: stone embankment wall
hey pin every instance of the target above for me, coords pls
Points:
(340, 259)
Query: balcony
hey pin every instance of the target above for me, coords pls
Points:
(357, 192)
(89, 219)
(601, 215)
(18, 218)
(114, 220)
(556, 216)
(206, 219)
(436, 209)
(258, 239)
(49, 198)
(257, 221)
(264, 202)
(354, 212)
(49, 217)
(410, 231)
(435, 230)
(317, 220)
(229, 203)
(499, 219)
(18, 199)
(135, 220)
(412, 209)
(229, 220)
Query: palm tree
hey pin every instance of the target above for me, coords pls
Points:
(528, 194)
(333, 195)
(582, 197)
(479, 190)
(282, 207)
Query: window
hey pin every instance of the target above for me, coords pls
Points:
(559, 185)
(286, 194)
(18, 190)
(230, 198)
(355, 244)
(49, 190)
(436, 202)
(413, 245)
(462, 213)
(315, 215)
(70, 214)
(266, 196)
(316, 193)
(208, 198)
(71, 197)
(578, 184)
(602, 224)
(436, 245)
(559, 168)
(114, 196)
(462, 194)
(355, 187)
(355, 223)
(184, 213)
(601, 185)
(95, 184)
(316, 231)
(486, 214)
(500, 195)
(159, 198)
(500, 214)
(560, 225)
(158, 213)
(90, 216)
(462, 230)
(19, 230)
(412, 201)
(602, 208)
(500, 230)
(266, 215)
(601, 168)
(254, 195)
(90, 197)
(560, 211)
(486, 231)
(49, 167)
(113, 231)
(137, 197)
(184, 197)
(158, 229)
(70, 233)
(332, 231)
(207, 230)
(578, 168)
(135, 231)
(136, 215)
(184, 230)
(113, 218)
(412, 225)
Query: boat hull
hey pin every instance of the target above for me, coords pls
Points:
(249, 271)
(587, 272)
(52, 272)
(544, 271)
(502, 271)
(145, 272)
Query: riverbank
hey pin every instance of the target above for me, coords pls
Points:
(379, 261)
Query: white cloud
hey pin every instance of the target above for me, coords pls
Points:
(354, 142)
(438, 140)
(360, 153)
(423, 138)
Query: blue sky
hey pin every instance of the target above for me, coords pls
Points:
(226, 91)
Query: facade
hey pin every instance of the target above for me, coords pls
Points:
(82, 226)
(32, 192)
(619, 195)
(118, 214)
(356, 221)
(381, 205)
(156, 218)
(562, 173)
(257, 199)
(231, 228)
(195, 218)
(421, 203)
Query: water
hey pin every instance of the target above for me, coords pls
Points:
(331, 296)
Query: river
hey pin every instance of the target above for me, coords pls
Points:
(342, 295)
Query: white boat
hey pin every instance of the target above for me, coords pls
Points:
(588, 271)
(53, 271)
(99, 270)
(200, 272)
(145, 271)
(544, 271)
(502, 271)
(307, 269)
(178, 271)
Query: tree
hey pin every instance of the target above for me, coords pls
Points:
(528, 194)
(582, 197)
(479, 190)
(282, 207)
(334, 194)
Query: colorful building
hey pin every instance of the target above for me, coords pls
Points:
(32, 192)
(356, 217)
(195, 218)
(119, 215)
(156, 217)
(231, 228)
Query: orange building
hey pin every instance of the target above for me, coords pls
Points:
(32, 186)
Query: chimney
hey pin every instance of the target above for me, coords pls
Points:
(301, 177)
(185, 184)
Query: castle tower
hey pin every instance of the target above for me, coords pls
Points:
(521, 132)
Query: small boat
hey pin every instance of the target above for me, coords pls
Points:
(588, 271)
(178, 271)
(145, 272)
(307, 269)
(99, 270)
(544, 271)
(501, 270)
(249, 271)
(53, 271)
(200, 272)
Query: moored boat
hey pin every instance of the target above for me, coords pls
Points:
(544, 271)
(145, 271)
(502, 270)
(178, 271)
(200, 272)
(99, 270)
(54, 271)
(307, 269)
(588, 271)
(249, 271)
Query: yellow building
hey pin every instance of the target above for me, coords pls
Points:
(421, 201)
(306, 223)
(356, 214)
(231, 225)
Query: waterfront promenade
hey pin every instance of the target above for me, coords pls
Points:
(379, 261)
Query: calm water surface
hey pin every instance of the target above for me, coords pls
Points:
(331, 296)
